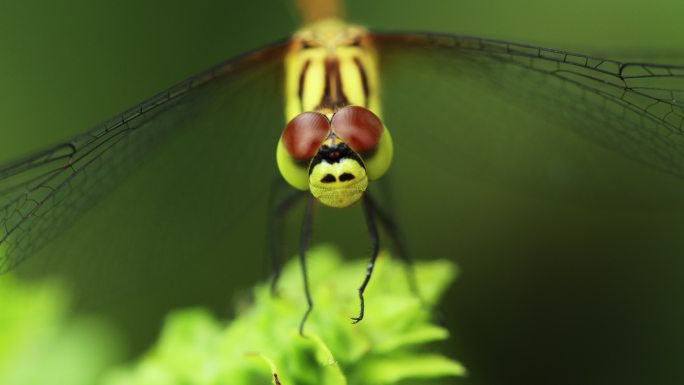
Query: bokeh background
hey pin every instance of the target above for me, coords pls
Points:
(571, 255)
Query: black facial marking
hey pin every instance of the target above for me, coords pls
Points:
(333, 154)
(346, 176)
(328, 178)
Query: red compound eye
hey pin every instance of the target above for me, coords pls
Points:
(305, 133)
(358, 127)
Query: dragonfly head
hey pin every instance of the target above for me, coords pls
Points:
(334, 155)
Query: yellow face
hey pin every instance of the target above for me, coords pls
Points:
(337, 175)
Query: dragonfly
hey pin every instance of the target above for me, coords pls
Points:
(631, 107)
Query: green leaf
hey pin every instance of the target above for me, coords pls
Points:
(393, 369)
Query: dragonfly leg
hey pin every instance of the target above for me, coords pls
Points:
(393, 231)
(304, 245)
(279, 211)
(369, 211)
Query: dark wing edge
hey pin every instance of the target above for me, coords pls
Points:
(29, 185)
(647, 99)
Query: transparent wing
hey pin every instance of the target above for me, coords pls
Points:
(44, 192)
(478, 122)
(634, 108)
(519, 163)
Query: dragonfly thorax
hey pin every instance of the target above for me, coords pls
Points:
(330, 64)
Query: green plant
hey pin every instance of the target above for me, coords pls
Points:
(262, 344)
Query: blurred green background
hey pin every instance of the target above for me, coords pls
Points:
(571, 254)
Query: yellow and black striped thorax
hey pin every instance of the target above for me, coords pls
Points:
(334, 141)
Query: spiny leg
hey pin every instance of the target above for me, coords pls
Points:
(394, 233)
(369, 211)
(279, 213)
(303, 246)
(392, 229)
